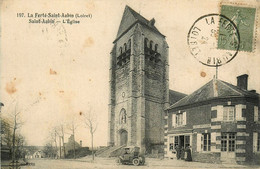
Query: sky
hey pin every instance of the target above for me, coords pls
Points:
(52, 72)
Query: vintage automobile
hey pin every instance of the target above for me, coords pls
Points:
(131, 155)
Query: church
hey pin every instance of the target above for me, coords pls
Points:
(139, 84)
(219, 121)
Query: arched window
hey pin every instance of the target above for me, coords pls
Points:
(125, 47)
(120, 50)
(146, 43)
(155, 47)
(129, 44)
(122, 116)
(151, 45)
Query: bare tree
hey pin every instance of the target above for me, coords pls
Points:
(53, 138)
(72, 126)
(90, 122)
(17, 123)
(60, 132)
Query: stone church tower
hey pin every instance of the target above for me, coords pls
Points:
(139, 83)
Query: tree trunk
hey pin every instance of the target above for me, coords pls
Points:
(60, 146)
(56, 147)
(92, 146)
(13, 153)
(13, 148)
(74, 151)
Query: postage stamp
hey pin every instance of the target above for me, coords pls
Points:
(213, 40)
(244, 17)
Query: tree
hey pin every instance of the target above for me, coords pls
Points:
(49, 150)
(90, 122)
(17, 123)
(52, 138)
(6, 135)
(60, 133)
(72, 127)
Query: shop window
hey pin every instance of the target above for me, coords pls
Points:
(228, 113)
(176, 141)
(171, 143)
(186, 141)
(206, 141)
(228, 142)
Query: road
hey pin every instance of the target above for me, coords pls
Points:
(110, 163)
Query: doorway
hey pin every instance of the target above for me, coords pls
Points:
(123, 137)
(182, 141)
(228, 142)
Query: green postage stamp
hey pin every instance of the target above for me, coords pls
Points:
(244, 18)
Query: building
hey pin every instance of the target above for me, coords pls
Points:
(69, 146)
(38, 154)
(139, 84)
(219, 121)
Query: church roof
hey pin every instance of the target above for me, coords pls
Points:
(213, 89)
(130, 18)
(175, 96)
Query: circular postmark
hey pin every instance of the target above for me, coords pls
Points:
(213, 40)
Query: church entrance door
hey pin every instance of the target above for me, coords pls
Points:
(123, 137)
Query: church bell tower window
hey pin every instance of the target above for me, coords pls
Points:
(151, 53)
(124, 54)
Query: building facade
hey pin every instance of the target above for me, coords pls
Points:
(139, 83)
(219, 121)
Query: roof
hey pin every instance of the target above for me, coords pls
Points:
(130, 18)
(213, 89)
(175, 96)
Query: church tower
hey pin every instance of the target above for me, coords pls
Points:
(139, 84)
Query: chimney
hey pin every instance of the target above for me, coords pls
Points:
(80, 143)
(242, 81)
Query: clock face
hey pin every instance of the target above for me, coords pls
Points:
(213, 40)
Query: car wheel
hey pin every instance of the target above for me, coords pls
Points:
(136, 161)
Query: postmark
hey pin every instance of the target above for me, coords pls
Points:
(244, 17)
(208, 35)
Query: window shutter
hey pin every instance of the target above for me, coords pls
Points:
(184, 118)
(220, 112)
(199, 142)
(255, 113)
(173, 120)
(238, 112)
(255, 142)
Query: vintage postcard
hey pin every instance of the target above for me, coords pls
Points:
(128, 83)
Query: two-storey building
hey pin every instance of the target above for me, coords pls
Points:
(219, 121)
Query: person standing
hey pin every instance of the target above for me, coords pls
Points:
(178, 151)
(182, 153)
(188, 151)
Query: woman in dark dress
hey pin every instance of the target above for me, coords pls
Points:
(182, 153)
(178, 151)
(188, 151)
